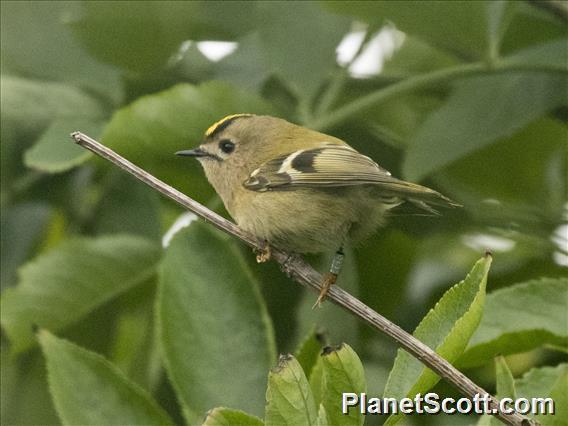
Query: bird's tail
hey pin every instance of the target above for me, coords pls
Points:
(418, 195)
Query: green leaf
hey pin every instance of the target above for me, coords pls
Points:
(23, 226)
(552, 54)
(128, 206)
(505, 389)
(464, 23)
(87, 389)
(55, 152)
(228, 417)
(33, 105)
(523, 198)
(37, 43)
(446, 328)
(28, 108)
(63, 285)
(520, 318)
(289, 400)
(342, 373)
(504, 379)
(245, 67)
(308, 352)
(316, 381)
(416, 56)
(531, 26)
(380, 257)
(322, 417)
(499, 14)
(24, 390)
(283, 34)
(540, 381)
(213, 324)
(481, 111)
(134, 344)
(141, 36)
(332, 320)
(149, 131)
(547, 382)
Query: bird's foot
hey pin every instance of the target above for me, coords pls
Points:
(264, 253)
(328, 280)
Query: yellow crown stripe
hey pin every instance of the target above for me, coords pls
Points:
(221, 121)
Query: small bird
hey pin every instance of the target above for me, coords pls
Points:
(300, 190)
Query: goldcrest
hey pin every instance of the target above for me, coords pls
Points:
(298, 189)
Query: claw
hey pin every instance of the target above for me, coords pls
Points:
(328, 280)
(263, 254)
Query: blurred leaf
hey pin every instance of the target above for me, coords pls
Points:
(63, 285)
(552, 53)
(128, 206)
(377, 372)
(322, 417)
(87, 389)
(245, 67)
(23, 226)
(149, 131)
(36, 43)
(316, 381)
(309, 351)
(539, 381)
(284, 34)
(342, 372)
(28, 108)
(499, 14)
(55, 151)
(504, 379)
(134, 349)
(446, 328)
(384, 273)
(228, 417)
(213, 324)
(532, 188)
(520, 318)
(24, 391)
(464, 23)
(149, 32)
(505, 384)
(33, 105)
(332, 320)
(547, 382)
(531, 26)
(481, 111)
(289, 400)
(416, 56)
(392, 123)
(194, 65)
(281, 296)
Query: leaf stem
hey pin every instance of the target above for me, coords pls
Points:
(410, 84)
(304, 274)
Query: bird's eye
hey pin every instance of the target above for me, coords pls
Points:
(226, 146)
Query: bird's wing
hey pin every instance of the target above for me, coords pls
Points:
(336, 166)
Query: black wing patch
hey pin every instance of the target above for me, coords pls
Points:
(337, 166)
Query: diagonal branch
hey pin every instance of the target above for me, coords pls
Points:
(304, 274)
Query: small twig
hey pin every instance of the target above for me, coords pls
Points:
(421, 81)
(304, 274)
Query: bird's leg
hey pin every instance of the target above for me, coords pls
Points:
(263, 254)
(330, 277)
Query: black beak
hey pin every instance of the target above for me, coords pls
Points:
(197, 152)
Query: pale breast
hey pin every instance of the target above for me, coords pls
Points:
(308, 221)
